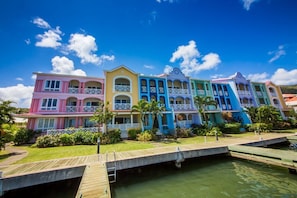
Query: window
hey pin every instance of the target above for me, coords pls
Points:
(49, 104)
(52, 85)
(46, 123)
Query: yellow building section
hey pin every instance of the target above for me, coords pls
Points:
(121, 88)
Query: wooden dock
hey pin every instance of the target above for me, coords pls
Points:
(94, 183)
(283, 158)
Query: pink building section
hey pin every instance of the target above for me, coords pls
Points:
(62, 98)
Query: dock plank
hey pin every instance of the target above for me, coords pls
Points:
(94, 182)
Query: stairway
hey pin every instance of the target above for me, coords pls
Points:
(111, 168)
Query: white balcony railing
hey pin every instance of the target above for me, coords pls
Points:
(72, 90)
(90, 108)
(93, 91)
(122, 88)
(122, 106)
(71, 109)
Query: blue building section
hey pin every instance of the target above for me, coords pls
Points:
(155, 88)
(229, 105)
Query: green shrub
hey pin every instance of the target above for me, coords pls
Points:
(24, 136)
(259, 127)
(182, 132)
(111, 137)
(230, 128)
(85, 138)
(199, 129)
(66, 139)
(132, 133)
(47, 141)
(144, 136)
(213, 132)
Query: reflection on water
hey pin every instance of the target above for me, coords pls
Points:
(207, 177)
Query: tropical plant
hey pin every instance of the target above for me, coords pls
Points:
(103, 116)
(142, 108)
(268, 114)
(155, 108)
(201, 103)
(6, 117)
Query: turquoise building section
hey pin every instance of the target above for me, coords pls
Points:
(155, 88)
(230, 107)
(203, 88)
(260, 93)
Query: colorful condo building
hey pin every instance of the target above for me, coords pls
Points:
(61, 102)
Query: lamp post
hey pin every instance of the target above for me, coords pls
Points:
(98, 145)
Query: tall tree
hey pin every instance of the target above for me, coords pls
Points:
(201, 103)
(103, 116)
(142, 108)
(6, 117)
(268, 115)
(155, 108)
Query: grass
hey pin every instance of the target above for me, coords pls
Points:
(39, 154)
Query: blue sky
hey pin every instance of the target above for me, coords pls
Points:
(205, 38)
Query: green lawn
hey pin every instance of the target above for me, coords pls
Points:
(38, 154)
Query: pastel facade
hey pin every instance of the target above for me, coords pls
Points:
(63, 101)
(156, 88)
(66, 101)
(121, 85)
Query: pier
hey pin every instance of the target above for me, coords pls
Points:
(93, 169)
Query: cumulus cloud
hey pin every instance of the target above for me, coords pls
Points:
(84, 46)
(20, 94)
(192, 61)
(148, 66)
(41, 23)
(168, 69)
(284, 77)
(277, 53)
(63, 65)
(259, 77)
(247, 4)
(49, 38)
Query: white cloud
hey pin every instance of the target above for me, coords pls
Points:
(168, 69)
(41, 23)
(49, 38)
(21, 95)
(149, 66)
(277, 53)
(19, 79)
(190, 59)
(84, 46)
(28, 41)
(258, 77)
(284, 77)
(247, 3)
(215, 76)
(63, 65)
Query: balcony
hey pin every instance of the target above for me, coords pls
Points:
(90, 108)
(178, 91)
(93, 91)
(72, 90)
(122, 106)
(122, 88)
(71, 109)
(181, 106)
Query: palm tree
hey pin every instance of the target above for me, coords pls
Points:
(268, 114)
(155, 108)
(103, 116)
(201, 103)
(142, 108)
